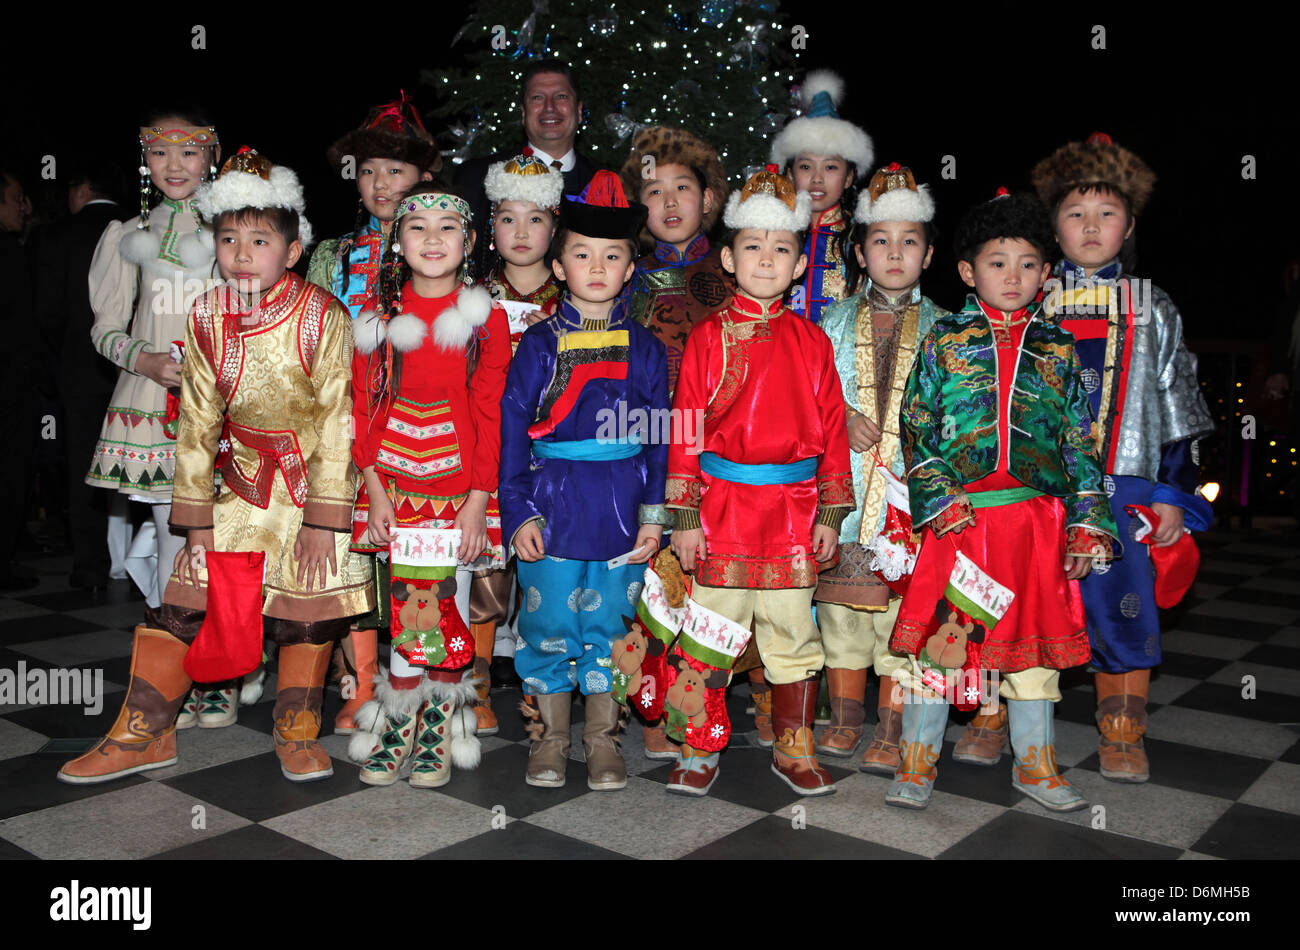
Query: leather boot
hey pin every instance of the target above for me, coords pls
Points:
(793, 756)
(387, 727)
(188, 717)
(984, 739)
(484, 636)
(219, 705)
(300, 687)
(360, 649)
(143, 736)
(1033, 742)
(694, 773)
(1122, 719)
(848, 689)
(925, 718)
(882, 755)
(761, 695)
(606, 770)
(657, 745)
(549, 755)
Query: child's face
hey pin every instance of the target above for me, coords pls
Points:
(522, 232)
(1006, 274)
(894, 254)
(176, 170)
(677, 204)
(824, 177)
(253, 255)
(765, 263)
(382, 181)
(1092, 226)
(433, 242)
(595, 269)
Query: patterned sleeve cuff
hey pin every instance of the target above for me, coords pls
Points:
(957, 515)
(687, 519)
(832, 517)
(1084, 542)
(655, 514)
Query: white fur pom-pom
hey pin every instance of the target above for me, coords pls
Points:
(196, 249)
(140, 246)
(305, 234)
(361, 744)
(466, 749)
(406, 332)
(367, 332)
(455, 326)
(821, 80)
(251, 690)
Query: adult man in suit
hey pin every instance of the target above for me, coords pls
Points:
(62, 251)
(551, 110)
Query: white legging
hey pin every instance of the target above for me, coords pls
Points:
(400, 667)
(152, 554)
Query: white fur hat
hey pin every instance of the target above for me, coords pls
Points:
(524, 178)
(820, 130)
(768, 202)
(249, 180)
(894, 195)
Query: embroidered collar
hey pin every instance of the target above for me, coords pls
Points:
(881, 302)
(573, 319)
(829, 219)
(751, 307)
(998, 317)
(514, 293)
(697, 249)
(1067, 268)
(273, 306)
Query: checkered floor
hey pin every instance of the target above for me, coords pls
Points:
(1226, 768)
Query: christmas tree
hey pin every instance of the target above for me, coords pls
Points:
(718, 68)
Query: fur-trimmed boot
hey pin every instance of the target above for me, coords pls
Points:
(387, 726)
(359, 651)
(219, 704)
(985, 738)
(606, 770)
(188, 717)
(484, 637)
(924, 720)
(300, 690)
(1033, 741)
(445, 737)
(794, 758)
(143, 736)
(882, 755)
(1122, 719)
(548, 755)
(848, 689)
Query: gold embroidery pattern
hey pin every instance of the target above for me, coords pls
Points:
(684, 491)
(736, 340)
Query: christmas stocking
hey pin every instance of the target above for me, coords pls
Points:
(426, 626)
(229, 644)
(698, 670)
(970, 608)
(640, 668)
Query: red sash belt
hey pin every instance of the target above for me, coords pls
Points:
(274, 450)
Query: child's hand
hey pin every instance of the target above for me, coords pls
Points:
(380, 521)
(1171, 524)
(528, 542)
(689, 544)
(159, 367)
(190, 557)
(825, 540)
(647, 542)
(864, 435)
(1077, 568)
(313, 550)
(472, 522)
(534, 317)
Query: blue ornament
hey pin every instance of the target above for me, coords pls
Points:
(679, 22)
(716, 12)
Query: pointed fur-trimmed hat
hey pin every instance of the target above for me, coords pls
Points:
(603, 211)
(524, 178)
(391, 130)
(768, 202)
(250, 180)
(893, 195)
(1096, 161)
(669, 146)
(820, 130)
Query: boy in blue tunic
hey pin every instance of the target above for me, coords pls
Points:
(575, 493)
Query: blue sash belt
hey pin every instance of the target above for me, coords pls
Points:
(586, 450)
(715, 465)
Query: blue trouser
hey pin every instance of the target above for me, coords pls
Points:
(572, 611)
(1120, 603)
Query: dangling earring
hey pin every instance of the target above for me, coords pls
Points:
(143, 223)
(468, 277)
(397, 248)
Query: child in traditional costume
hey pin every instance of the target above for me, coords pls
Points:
(430, 366)
(1140, 381)
(581, 501)
(525, 195)
(760, 493)
(825, 155)
(1005, 477)
(271, 354)
(387, 154)
(875, 334)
